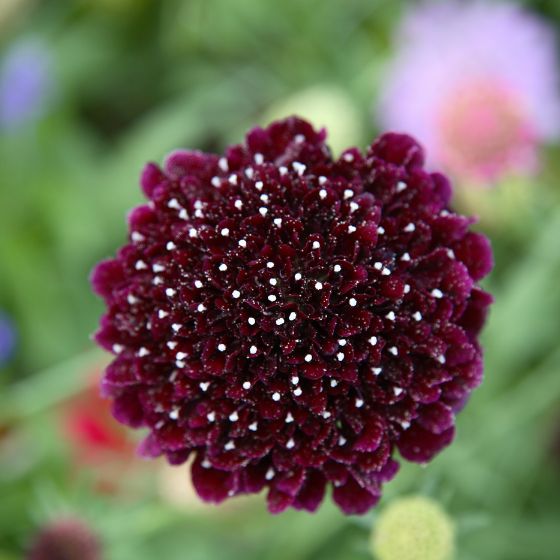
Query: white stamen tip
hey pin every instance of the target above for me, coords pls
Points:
(253, 350)
(292, 316)
(222, 347)
(348, 193)
(290, 443)
(222, 267)
(373, 340)
(410, 228)
(235, 294)
(352, 302)
(246, 385)
(340, 356)
(337, 268)
(318, 286)
(225, 231)
(251, 320)
(437, 293)
(276, 396)
(308, 357)
(391, 316)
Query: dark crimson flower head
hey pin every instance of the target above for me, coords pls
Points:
(291, 320)
(65, 539)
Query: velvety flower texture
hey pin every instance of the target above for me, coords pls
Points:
(291, 320)
(477, 83)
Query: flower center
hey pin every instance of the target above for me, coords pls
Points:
(484, 131)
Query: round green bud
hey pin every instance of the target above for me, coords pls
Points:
(413, 528)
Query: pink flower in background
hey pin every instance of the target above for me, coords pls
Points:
(476, 83)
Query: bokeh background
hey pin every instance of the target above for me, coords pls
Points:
(92, 89)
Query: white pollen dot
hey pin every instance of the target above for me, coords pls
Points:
(289, 418)
(299, 138)
(318, 286)
(299, 168)
(269, 474)
(233, 179)
(157, 280)
(337, 268)
(118, 348)
(406, 288)
(405, 257)
(198, 214)
(380, 230)
(242, 243)
(280, 321)
(397, 391)
(249, 173)
(342, 342)
(276, 396)
(222, 267)
(234, 417)
(271, 297)
(238, 204)
(378, 265)
(223, 164)
(253, 426)
(297, 276)
(235, 294)
(263, 211)
(295, 380)
(373, 340)
(316, 245)
(215, 181)
(351, 229)
(176, 327)
(198, 284)
(390, 315)
(170, 246)
(394, 350)
(359, 403)
(417, 316)
(292, 316)
(352, 302)
(206, 464)
(340, 356)
(229, 446)
(193, 232)
(204, 385)
(259, 159)
(183, 214)
(278, 222)
(140, 265)
(136, 237)
(386, 272)
(323, 193)
(162, 314)
(251, 320)
(201, 307)
(326, 414)
(225, 232)
(437, 293)
(170, 292)
(174, 414)
(341, 440)
(253, 350)
(334, 383)
(348, 157)
(180, 355)
(410, 228)
(441, 359)
(308, 357)
(298, 392)
(354, 206)
(283, 170)
(348, 193)
(173, 203)
(376, 370)
(246, 385)
(273, 281)
(172, 345)
(222, 347)
(269, 264)
(264, 198)
(290, 443)
(401, 186)
(131, 299)
(211, 416)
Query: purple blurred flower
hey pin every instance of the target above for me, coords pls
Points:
(25, 83)
(476, 82)
(7, 339)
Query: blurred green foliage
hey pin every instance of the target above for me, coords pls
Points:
(137, 78)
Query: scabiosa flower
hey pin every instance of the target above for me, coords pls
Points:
(65, 539)
(25, 83)
(477, 84)
(290, 319)
(7, 339)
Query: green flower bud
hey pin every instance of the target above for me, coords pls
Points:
(413, 528)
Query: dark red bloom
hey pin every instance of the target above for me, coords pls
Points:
(65, 539)
(291, 319)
